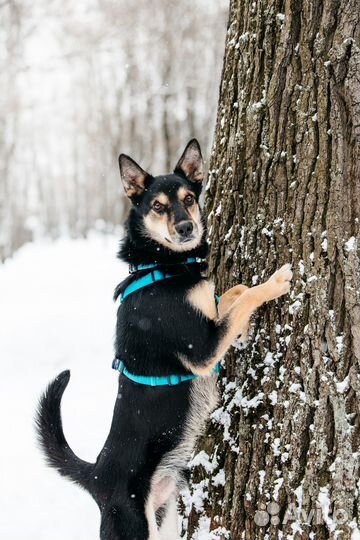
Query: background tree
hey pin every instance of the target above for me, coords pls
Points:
(82, 81)
(284, 186)
(12, 233)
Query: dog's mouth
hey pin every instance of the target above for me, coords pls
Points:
(182, 241)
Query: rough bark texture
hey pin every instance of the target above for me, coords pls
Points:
(284, 186)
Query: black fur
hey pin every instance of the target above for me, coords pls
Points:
(48, 422)
(154, 325)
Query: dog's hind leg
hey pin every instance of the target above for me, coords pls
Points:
(169, 529)
(151, 519)
(161, 492)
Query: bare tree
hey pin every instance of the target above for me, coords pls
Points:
(80, 88)
(281, 454)
(12, 233)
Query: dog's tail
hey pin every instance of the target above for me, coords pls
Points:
(51, 436)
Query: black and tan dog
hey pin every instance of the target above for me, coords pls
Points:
(170, 327)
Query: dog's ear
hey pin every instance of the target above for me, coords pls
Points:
(132, 175)
(191, 163)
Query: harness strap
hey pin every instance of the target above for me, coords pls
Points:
(137, 267)
(152, 277)
(166, 380)
(144, 281)
(148, 279)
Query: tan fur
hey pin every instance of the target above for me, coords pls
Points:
(227, 299)
(131, 190)
(193, 210)
(237, 307)
(182, 192)
(161, 227)
(194, 213)
(171, 226)
(202, 298)
(157, 226)
(162, 198)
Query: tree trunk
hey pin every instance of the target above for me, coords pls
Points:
(283, 447)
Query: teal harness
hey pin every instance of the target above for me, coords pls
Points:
(148, 279)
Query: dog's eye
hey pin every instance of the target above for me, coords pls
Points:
(158, 207)
(189, 199)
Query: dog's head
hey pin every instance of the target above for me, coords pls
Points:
(167, 206)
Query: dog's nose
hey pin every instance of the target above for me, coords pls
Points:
(184, 228)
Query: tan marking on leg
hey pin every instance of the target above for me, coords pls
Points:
(228, 298)
(240, 312)
(202, 298)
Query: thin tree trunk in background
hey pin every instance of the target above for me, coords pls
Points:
(283, 447)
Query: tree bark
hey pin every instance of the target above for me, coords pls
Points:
(280, 458)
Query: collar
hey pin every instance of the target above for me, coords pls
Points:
(133, 268)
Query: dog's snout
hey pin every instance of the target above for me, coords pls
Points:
(184, 228)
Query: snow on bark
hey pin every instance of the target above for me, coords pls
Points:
(285, 168)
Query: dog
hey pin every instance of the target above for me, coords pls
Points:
(171, 328)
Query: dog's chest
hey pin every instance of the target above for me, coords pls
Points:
(202, 298)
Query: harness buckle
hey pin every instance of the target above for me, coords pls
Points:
(118, 365)
(171, 382)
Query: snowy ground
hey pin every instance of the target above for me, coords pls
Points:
(56, 312)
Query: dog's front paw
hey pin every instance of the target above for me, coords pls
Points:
(279, 283)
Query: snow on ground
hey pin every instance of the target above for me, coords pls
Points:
(56, 312)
